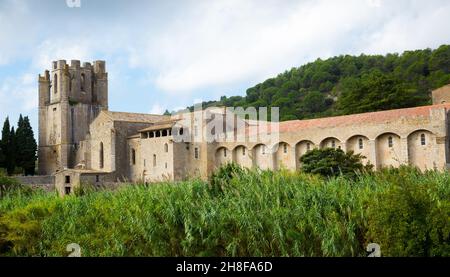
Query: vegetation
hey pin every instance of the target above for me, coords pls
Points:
(256, 213)
(333, 162)
(18, 148)
(350, 84)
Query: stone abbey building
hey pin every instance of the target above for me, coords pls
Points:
(80, 140)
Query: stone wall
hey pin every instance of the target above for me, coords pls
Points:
(46, 183)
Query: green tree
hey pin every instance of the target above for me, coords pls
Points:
(7, 147)
(26, 146)
(333, 162)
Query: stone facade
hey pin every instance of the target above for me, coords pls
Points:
(81, 141)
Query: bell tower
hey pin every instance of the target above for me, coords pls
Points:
(70, 97)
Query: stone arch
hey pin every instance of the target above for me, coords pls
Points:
(389, 150)
(359, 144)
(283, 154)
(421, 146)
(223, 156)
(300, 149)
(331, 142)
(262, 158)
(242, 156)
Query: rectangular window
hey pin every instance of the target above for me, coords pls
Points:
(243, 151)
(196, 131)
(263, 150)
(67, 179)
(196, 153)
(67, 190)
(285, 148)
(97, 178)
(133, 156)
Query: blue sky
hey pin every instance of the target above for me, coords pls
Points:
(169, 54)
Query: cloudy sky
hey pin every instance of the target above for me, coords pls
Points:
(167, 54)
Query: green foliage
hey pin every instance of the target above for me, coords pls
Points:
(27, 146)
(18, 148)
(258, 213)
(359, 84)
(409, 218)
(220, 180)
(333, 162)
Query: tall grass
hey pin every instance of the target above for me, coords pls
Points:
(255, 213)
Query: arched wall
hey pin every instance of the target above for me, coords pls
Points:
(328, 143)
(242, 156)
(223, 156)
(359, 145)
(301, 148)
(421, 151)
(389, 155)
(283, 156)
(262, 158)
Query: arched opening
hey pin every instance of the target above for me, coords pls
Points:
(301, 149)
(154, 160)
(242, 157)
(166, 148)
(421, 145)
(164, 133)
(102, 161)
(331, 142)
(282, 156)
(262, 159)
(359, 145)
(222, 157)
(389, 150)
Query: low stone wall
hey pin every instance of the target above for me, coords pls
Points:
(46, 183)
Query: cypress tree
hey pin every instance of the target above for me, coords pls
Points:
(27, 147)
(6, 147)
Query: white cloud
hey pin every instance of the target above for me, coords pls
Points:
(157, 109)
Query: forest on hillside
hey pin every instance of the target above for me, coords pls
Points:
(350, 84)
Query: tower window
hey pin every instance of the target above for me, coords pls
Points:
(55, 84)
(101, 155)
(196, 153)
(361, 144)
(196, 130)
(422, 139)
(82, 82)
(390, 142)
(181, 131)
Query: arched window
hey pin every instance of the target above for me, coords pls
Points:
(166, 148)
(243, 151)
(390, 142)
(361, 143)
(133, 156)
(164, 133)
(308, 146)
(285, 148)
(101, 155)
(423, 139)
(181, 131)
(83, 81)
(154, 160)
(55, 83)
(70, 82)
(333, 144)
(225, 152)
(263, 150)
(158, 134)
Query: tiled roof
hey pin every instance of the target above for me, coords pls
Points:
(135, 117)
(354, 119)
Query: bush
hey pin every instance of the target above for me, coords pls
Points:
(412, 216)
(333, 162)
(220, 179)
(8, 185)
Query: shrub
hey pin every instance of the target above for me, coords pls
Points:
(412, 216)
(333, 162)
(220, 179)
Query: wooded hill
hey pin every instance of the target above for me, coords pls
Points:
(350, 84)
